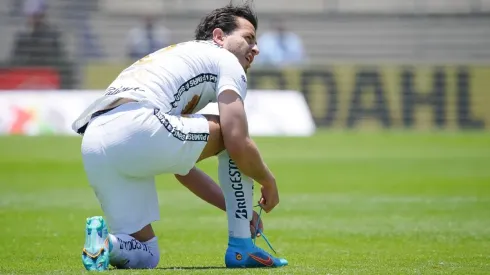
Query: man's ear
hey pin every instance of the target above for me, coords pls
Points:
(219, 36)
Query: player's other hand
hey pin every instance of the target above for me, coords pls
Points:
(253, 225)
(270, 197)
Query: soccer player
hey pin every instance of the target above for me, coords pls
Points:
(145, 125)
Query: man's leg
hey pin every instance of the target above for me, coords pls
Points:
(215, 143)
(140, 248)
(129, 203)
(120, 250)
(237, 189)
(122, 153)
(123, 252)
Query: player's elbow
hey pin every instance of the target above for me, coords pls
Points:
(236, 146)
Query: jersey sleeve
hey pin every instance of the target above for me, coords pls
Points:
(231, 76)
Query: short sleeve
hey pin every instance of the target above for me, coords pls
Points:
(231, 76)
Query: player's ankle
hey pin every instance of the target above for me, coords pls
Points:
(240, 242)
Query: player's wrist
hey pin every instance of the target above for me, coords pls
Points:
(268, 181)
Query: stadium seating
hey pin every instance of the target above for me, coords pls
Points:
(352, 31)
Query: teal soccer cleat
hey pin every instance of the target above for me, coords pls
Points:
(95, 253)
(242, 253)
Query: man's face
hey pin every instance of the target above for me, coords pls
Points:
(242, 42)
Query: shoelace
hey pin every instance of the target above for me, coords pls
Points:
(257, 229)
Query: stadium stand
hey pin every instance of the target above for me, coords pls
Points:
(333, 31)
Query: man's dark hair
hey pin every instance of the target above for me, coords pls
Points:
(226, 19)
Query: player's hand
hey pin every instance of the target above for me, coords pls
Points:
(270, 197)
(253, 225)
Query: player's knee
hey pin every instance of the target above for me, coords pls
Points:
(212, 118)
(214, 125)
(154, 254)
(155, 259)
(215, 143)
(215, 136)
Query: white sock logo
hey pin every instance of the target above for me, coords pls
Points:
(236, 184)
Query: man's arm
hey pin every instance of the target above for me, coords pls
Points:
(241, 148)
(231, 91)
(204, 187)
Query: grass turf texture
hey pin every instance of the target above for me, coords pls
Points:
(351, 203)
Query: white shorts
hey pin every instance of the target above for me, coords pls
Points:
(124, 149)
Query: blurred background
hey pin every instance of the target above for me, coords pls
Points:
(377, 63)
(392, 178)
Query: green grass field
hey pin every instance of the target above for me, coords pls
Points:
(351, 203)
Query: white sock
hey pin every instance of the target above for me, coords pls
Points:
(238, 191)
(129, 253)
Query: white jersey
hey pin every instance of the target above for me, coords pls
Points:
(179, 79)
